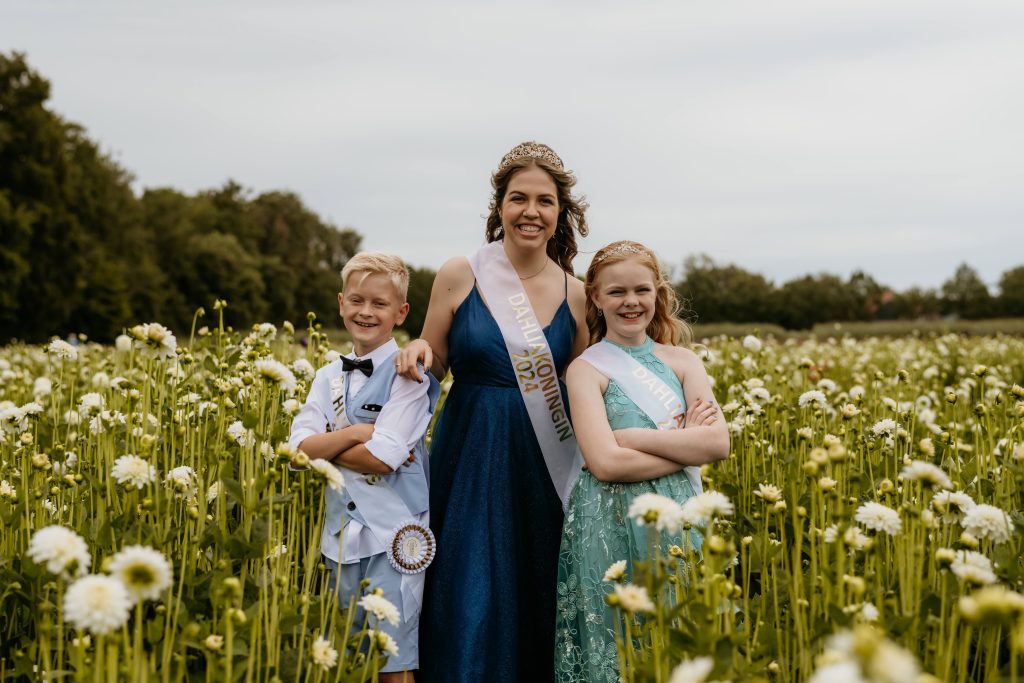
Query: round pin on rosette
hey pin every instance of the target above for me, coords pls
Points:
(411, 547)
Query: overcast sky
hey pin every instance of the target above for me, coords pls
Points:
(787, 136)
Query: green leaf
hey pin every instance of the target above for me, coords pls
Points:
(234, 489)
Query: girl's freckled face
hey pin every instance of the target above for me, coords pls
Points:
(626, 294)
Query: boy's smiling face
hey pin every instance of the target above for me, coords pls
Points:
(370, 307)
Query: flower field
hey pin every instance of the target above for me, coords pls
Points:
(867, 526)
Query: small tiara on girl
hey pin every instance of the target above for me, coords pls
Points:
(531, 149)
(621, 249)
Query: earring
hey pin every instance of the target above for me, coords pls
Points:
(600, 313)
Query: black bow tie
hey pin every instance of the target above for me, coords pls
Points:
(364, 366)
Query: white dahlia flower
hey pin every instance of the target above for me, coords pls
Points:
(323, 653)
(277, 373)
(633, 598)
(303, 369)
(769, 493)
(385, 643)
(380, 607)
(155, 341)
(329, 472)
(615, 571)
(90, 403)
(60, 549)
(663, 513)
(213, 492)
(131, 469)
(973, 568)
(97, 603)
(182, 481)
(145, 572)
(266, 332)
(878, 517)
(43, 386)
(952, 505)
(838, 672)
(242, 436)
(61, 350)
(814, 396)
(692, 670)
(701, 509)
(988, 522)
(886, 427)
(926, 473)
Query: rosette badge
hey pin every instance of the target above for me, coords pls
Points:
(411, 547)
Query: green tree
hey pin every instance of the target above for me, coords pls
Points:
(308, 252)
(865, 295)
(420, 282)
(916, 303)
(725, 292)
(1011, 292)
(812, 299)
(225, 270)
(64, 209)
(966, 295)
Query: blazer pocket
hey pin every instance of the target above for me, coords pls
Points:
(366, 413)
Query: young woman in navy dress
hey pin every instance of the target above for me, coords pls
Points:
(497, 516)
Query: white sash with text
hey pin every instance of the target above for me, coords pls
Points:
(533, 364)
(644, 388)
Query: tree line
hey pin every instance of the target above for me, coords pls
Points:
(727, 293)
(81, 251)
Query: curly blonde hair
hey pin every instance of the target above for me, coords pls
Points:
(666, 327)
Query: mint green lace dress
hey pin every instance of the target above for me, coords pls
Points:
(598, 532)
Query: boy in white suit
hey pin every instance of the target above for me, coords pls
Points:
(370, 422)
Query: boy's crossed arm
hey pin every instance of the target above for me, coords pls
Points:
(364, 447)
(346, 447)
(401, 424)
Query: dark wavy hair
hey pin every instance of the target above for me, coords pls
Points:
(571, 209)
(666, 327)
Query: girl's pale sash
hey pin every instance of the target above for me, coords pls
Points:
(533, 364)
(644, 388)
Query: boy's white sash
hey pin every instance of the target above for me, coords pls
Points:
(410, 545)
(533, 364)
(644, 388)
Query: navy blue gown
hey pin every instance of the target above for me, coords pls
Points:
(489, 602)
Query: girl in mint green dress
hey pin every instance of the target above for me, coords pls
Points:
(631, 305)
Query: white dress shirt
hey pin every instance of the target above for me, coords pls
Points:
(402, 422)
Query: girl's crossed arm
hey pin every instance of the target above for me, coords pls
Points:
(705, 438)
(605, 458)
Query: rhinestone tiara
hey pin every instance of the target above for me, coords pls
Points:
(621, 249)
(533, 149)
